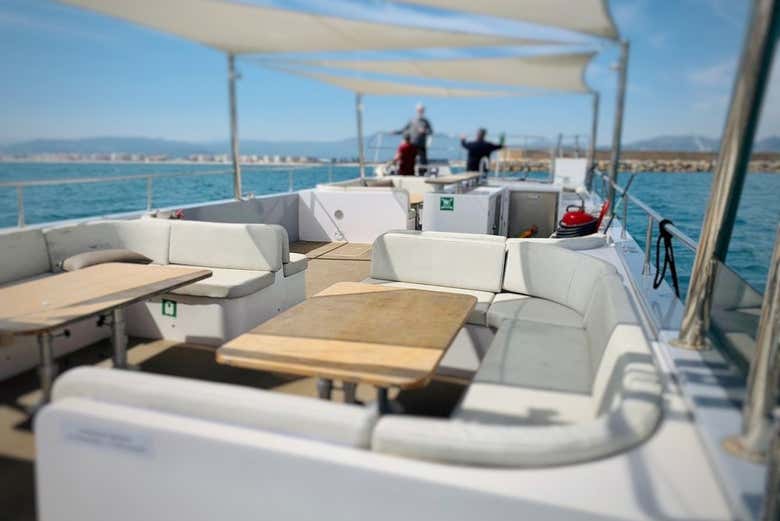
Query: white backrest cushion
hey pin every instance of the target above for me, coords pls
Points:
(609, 307)
(626, 366)
(494, 445)
(148, 237)
(22, 254)
(553, 273)
(459, 260)
(333, 422)
(258, 247)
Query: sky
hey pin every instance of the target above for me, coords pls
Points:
(69, 73)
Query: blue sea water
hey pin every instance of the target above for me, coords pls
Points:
(682, 197)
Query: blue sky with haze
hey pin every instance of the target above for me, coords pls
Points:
(68, 73)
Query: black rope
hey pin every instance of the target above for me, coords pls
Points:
(668, 258)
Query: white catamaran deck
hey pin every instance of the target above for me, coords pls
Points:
(559, 381)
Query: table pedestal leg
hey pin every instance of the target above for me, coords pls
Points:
(324, 388)
(119, 338)
(383, 401)
(47, 370)
(350, 389)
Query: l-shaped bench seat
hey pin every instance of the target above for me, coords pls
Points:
(254, 276)
(549, 390)
(568, 376)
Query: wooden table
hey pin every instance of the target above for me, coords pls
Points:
(40, 306)
(442, 181)
(356, 333)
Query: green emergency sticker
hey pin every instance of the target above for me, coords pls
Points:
(447, 204)
(169, 308)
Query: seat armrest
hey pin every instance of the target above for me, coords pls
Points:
(298, 263)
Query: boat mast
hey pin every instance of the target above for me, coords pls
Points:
(617, 131)
(232, 76)
(730, 169)
(359, 116)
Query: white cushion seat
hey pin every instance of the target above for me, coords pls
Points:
(498, 404)
(227, 283)
(477, 316)
(535, 355)
(298, 263)
(514, 306)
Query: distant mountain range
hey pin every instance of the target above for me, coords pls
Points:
(443, 146)
(692, 143)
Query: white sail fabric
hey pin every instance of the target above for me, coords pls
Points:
(390, 88)
(244, 28)
(563, 72)
(583, 16)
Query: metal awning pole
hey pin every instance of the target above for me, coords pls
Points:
(730, 169)
(359, 116)
(761, 397)
(232, 76)
(617, 130)
(594, 130)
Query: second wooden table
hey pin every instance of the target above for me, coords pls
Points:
(356, 333)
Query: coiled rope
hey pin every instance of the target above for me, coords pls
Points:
(664, 234)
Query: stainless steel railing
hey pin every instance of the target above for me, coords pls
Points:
(20, 186)
(653, 217)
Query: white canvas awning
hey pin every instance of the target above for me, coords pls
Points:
(563, 72)
(391, 88)
(241, 28)
(583, 16)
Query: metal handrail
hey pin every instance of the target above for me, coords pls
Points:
(149, 178)
(654, 216)
(87, 180)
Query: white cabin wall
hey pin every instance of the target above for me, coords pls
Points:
(359, 216)
(268, 209)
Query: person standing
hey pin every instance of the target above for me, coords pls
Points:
(419, 128)
(479, 149)
(404, 156)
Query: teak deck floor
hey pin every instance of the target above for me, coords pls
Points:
(328, 263)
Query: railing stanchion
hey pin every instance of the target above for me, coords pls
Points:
(330, 173)
(20, 206)
(290, 181)
(648, 245)
(149, 193)
(771, 507)
(761, 397)
(624, 231)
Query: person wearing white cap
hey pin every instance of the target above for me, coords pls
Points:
(419, 128)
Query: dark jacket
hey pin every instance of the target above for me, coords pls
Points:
(477, 151)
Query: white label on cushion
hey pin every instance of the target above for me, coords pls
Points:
(102, 437)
